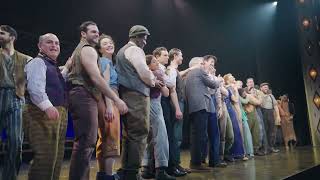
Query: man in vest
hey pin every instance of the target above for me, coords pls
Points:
(45, 114)
(268, 106)
(12, 87)
(86, 85)
(135, 80)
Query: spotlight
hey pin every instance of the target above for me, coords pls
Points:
(275, 3)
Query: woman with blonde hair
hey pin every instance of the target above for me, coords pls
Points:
(237, 149)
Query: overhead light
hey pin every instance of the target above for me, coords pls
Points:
(275, 3)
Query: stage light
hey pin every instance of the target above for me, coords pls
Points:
(275, 3)
(316, 100)
(306, 23)
(313, 73)
(301, 1)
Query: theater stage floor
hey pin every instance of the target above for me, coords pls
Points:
(274, 166)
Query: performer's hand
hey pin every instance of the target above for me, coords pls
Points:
(159, 83)
(219, 113)
(109, 114)
(121, 105)
(179, 114)
(220, 79)
(69, 62)
(52, 113)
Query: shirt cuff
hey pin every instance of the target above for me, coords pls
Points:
(44, 105)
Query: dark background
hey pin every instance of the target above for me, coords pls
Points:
(250, 37)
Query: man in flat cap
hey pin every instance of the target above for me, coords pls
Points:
(268, 107)
(135, 80)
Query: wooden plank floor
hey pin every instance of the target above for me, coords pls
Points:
(274, 166)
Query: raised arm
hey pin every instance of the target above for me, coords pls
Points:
(213, 84)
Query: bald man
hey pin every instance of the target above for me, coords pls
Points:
(45, 113)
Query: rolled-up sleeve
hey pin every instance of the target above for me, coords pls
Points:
(36, 83)
(137, 58)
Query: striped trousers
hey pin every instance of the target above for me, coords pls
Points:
(47, 138)
(11, 120)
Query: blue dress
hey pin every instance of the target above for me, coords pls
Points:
(237, 147)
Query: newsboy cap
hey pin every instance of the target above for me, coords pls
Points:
(264, 84)
(138, 30)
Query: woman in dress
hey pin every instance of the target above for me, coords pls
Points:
(289, 135)
(237, 149)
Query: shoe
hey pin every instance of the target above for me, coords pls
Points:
(222, 164)
(162, 175)
(105, 176)
(292, 143)
(199, 168)
(259, 153)
(147, 174)
(131, 174)
(187, 170)
(120, 173)
(101, 176)
(229, 159)
(116, 177)
(273, 150)
(245, 158)
(176, 172)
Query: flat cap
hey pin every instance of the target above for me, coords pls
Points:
(264, 84)
(138, 30)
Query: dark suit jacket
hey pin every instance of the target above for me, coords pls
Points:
(197, 93)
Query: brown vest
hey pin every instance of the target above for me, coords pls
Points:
(78, 75)
(20, 60)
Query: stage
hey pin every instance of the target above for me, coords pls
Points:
(274, 166)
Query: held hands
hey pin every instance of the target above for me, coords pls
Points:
(67, 66)
(121, 106)
(52, 113)
(109, 116)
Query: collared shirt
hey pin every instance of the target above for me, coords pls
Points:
(7, 67)
(104, 62)
(137, 58)
(268, 101)
(36, 77)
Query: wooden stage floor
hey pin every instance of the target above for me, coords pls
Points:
(274, 166)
